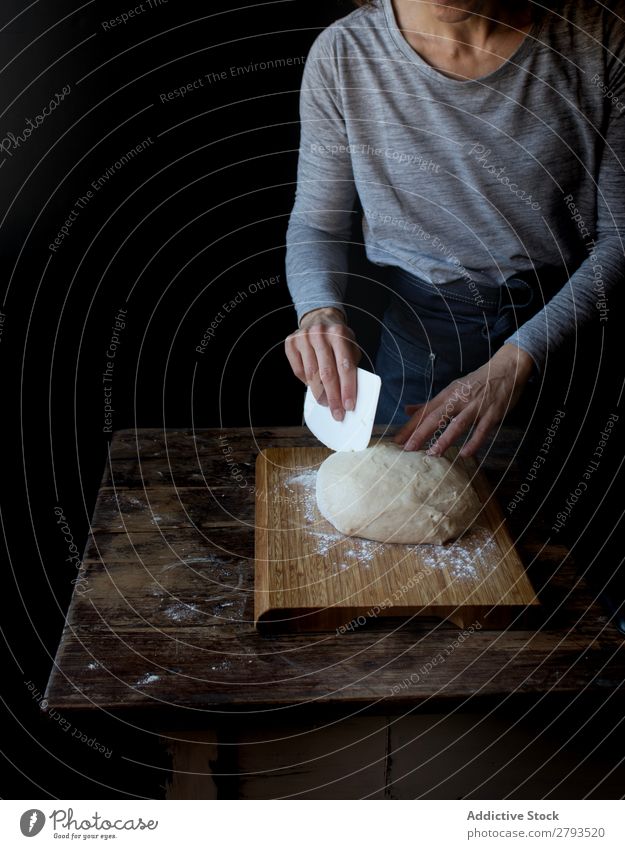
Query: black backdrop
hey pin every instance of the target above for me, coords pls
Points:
(195, 216)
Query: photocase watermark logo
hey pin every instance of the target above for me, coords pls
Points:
(32, 821)
(482, 157)
(65, 819)
(12, 142)
(65, 825)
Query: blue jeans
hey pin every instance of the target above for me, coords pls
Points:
(432, 335)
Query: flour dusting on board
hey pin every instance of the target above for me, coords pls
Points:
(458, 558)
(304, 493)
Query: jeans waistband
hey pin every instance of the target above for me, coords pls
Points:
(462, 296)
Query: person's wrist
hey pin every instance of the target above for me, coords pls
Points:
(519, 359)
(336, 316)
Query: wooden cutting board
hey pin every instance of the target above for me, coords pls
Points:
(308, 576)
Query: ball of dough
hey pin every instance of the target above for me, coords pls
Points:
(390, 495)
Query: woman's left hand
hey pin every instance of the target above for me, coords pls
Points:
(481, 398)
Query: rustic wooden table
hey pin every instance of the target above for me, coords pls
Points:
(160, 627)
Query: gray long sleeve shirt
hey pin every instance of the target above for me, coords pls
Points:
(521, 170)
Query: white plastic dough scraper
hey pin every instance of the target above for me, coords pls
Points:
(354, 432)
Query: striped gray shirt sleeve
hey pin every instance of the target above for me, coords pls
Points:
(588, 287)
(320, 223)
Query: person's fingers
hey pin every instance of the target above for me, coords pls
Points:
(329, 377)
(325, 357)
(309, 360)
(478, 437)
(426, 428)
(457, 426)
(346, 368)
(410, 409)
(436, 422)
(442, 406)
(311, 365)
(413, 422)
(317, 389)
(416, 412)
(303, 361)
(294, 357)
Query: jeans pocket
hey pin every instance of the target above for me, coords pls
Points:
(413, 359)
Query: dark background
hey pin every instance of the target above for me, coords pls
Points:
(197, 216)
(194, 218)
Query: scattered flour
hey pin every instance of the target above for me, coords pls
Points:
(231, 611)
(304, 498)
(148, 678)
(458, 558)
(181, 611)
(305, 478)
(360, 550)
(188, 561)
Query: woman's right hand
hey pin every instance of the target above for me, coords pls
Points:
(323, 353)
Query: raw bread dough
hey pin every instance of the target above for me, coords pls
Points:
(387, 494)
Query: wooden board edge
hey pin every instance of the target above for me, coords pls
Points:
(349, 619)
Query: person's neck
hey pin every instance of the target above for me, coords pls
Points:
(472, 31)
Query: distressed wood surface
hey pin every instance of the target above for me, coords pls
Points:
(163, 615)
